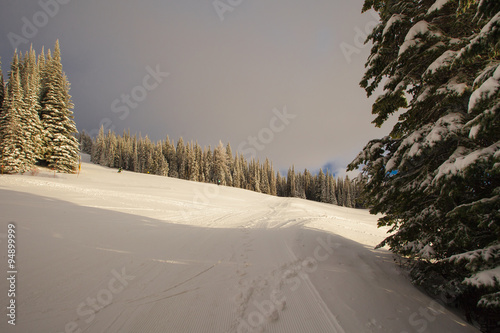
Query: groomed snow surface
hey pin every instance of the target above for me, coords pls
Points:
(110, 252)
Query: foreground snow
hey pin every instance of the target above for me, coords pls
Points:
(109, 252)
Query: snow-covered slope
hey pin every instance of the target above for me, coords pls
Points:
(109, 252)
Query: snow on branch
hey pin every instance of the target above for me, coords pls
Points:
(437, 5)
(445, 59)
(488, 278)
(475, 259)
(462, 158)
(419, 29)
(488, 89)
(489, 31)
(394, 18)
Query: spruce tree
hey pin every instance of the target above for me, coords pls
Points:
(273, 181)
(61, 146)
(180, 155)
(2, 88)
(12, 138)
(207, 164)
(255, 174)
(220, 169)
(264, 181)
(171, 156)
(290, 180)
(191, 164)
(230, 165)
(332, 196)
(30, 80)
(321, 193)
(436, 177)
(97, 156)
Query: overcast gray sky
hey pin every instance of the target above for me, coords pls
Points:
(277, 79)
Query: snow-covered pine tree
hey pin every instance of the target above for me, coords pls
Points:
(97, 154)
(339, 191)
(280, 185)
(220, 164)
(135, 154)
(2, 88)
(111, 150)
(12, 138)
(171, 156)
(272, 180)
(264, 178)
(192, 165)
(2, 95)
(290, 183)
(309, 187)
(41, 70)
(436, 177)
(61, 146)
(207, 164)
(299, 186)
(244, 172)
(30, 82)
(160, 163)
(230, 165)
(85, 143)
(255, 174)
(236, 172)
(321, 193)
(348, 199)
(332, 196)
(198, 152)
(180, 156)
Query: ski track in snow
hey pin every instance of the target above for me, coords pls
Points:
(200, 258)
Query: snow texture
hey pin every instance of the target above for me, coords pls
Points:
(411, 39)
(198, 258)
(394, 18)
(426, 137)
(437, 5)
(492, 26)
(462, 158)
(488, 89)
(444, 60)
(453, 86)
(487, 278)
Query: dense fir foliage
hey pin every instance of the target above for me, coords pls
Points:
(36, 121)
(219, 166)
(436, 176)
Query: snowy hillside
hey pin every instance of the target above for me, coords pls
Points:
(110, 252)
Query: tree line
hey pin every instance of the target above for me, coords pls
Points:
(36, 118)
(187, 160)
